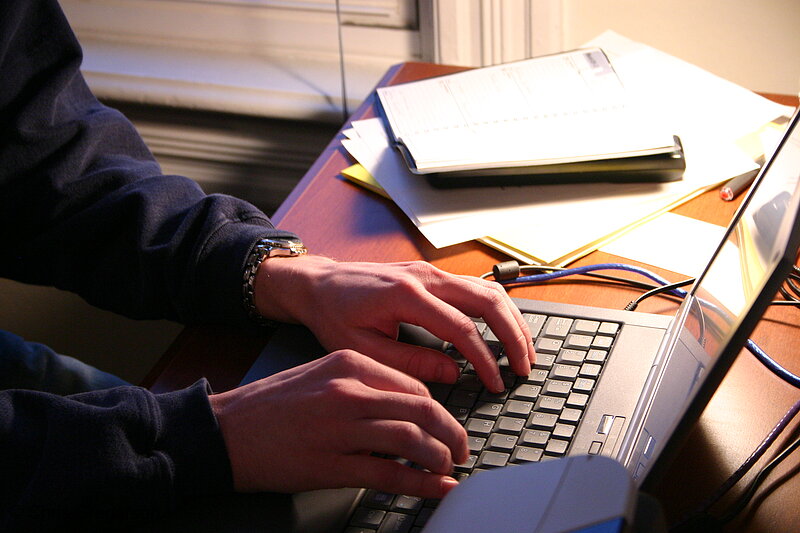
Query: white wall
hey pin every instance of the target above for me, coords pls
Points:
(755, 44)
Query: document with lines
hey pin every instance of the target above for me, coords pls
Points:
(541, 112)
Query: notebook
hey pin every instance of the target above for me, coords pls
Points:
(658, 373)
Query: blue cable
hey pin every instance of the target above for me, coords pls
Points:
(772, 364)
(760, 355)
(536, 278)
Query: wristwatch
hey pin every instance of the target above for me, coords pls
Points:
(264, 248)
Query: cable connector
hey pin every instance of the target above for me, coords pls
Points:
(506, 271)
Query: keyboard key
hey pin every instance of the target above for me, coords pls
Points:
(377, 500)
(544, 360)
(596, 356)
(583, 385)
(462, 398)
(479, 427)
(459, 413)
(589, 370)
(549, 404)
(608, 328)
(469, 382)
(564, 431)
(525, 391)
(557, 387)
(517, 408)
(408, 504)
(439, 391)
(570, 356)
(542, 420)
(502, 443)
(467, 465)
(493, 397)
(577, 400)
(487, 410)
(578, 342)
(523, 454)
(537, 375)
(489, 459)
(570, 415)
(534, 438)
(507, 424)
(475, 444)
(564, 372)
(556, 447)
(370, 518)
(509, 379)
(397, 523)
(557, 327)
(585, 327)
(535, 323)
(602, 343)
(544, 345)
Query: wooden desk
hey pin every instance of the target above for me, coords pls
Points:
(338, 219)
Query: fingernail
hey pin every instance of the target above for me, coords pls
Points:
(448, 484)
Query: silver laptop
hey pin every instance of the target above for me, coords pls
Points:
(641, 382)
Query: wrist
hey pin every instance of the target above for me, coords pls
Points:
(266, 248)
(284, 286)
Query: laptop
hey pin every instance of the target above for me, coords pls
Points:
(635, 382)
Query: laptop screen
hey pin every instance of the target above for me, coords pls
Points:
(723, 307)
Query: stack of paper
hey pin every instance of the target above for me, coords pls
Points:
(556, 224)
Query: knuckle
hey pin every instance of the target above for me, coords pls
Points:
(465, 327)
(407, 434)
(346, 360)
(495, 296)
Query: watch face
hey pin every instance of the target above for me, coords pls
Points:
(293, 246)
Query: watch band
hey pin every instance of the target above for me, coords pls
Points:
(264, 248)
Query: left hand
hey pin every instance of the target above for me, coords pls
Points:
(360, 306)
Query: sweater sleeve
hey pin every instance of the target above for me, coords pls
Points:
(98, 457)
(84, 206)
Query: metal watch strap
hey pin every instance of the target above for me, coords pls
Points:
(266, 247)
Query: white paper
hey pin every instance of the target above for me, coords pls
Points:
(678, 243)
(707, 112)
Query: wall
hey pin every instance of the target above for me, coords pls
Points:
(753, 44)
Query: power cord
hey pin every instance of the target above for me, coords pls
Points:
(701, 516)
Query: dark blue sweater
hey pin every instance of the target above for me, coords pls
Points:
(85, 208)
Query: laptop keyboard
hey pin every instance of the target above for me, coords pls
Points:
(534, 419)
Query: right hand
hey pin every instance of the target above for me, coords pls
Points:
(316, 425)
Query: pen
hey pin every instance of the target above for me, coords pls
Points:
(732, 188)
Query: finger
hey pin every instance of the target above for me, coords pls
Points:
(424, 413)
(487, 299)
(425, 364)
(349, 364)
(512, 307)
(402, 439)
(447, 322)
(390, 476)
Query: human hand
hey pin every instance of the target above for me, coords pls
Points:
(315, 425)
(360, 306)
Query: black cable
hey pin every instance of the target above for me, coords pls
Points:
(738, 506)
(657, 290)
(608, 277)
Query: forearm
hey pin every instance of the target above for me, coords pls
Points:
(84, 206)
(99, 456)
